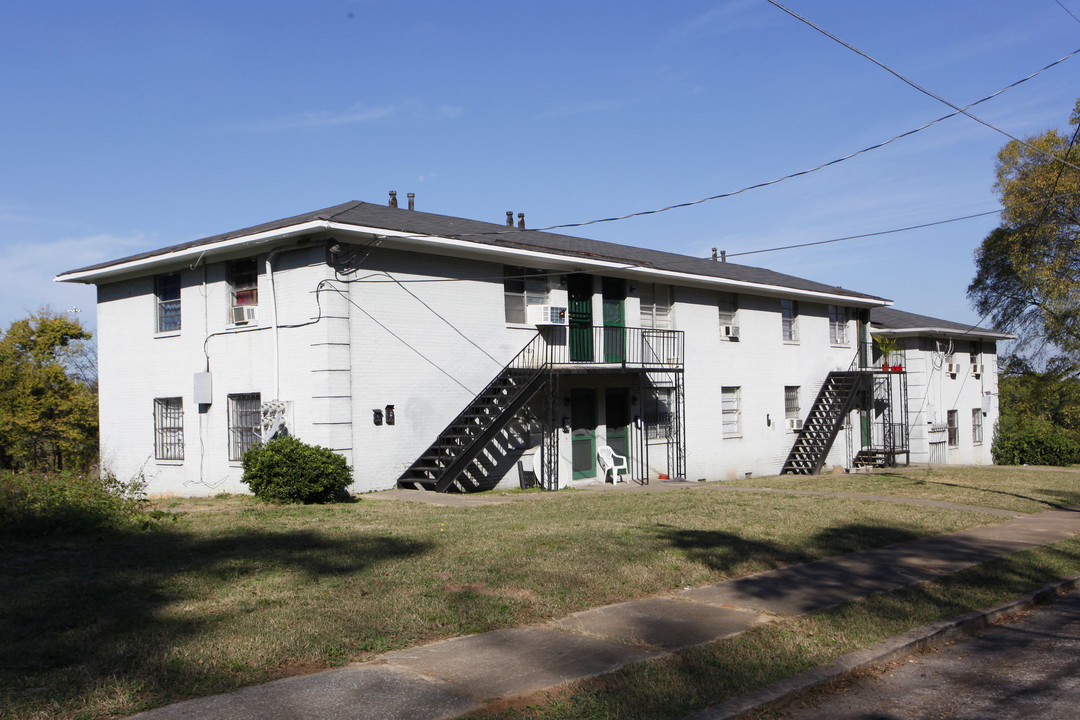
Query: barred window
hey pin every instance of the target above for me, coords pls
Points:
(658, 418)
(167, 291)
(838, 325)
(169, 428)
(789, 312)
(954, 428)
(244, 423)
(791, 402)
(522, 287)
(976, 425)
(732, 425)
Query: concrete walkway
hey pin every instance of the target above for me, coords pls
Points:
(451, 678)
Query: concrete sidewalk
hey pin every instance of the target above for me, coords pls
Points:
(450, 678)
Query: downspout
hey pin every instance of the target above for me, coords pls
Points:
(274, 318)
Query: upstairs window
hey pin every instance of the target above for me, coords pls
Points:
(169, 428)
(727, 305)
(243, 278)
(656, 306)
(167, 291)
(523, 287)
(245, 423)
(789, 314)
(838, 325)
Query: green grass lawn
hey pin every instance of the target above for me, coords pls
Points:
(235, 592)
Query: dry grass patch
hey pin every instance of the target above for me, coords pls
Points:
(1021, 489)
(237, 592)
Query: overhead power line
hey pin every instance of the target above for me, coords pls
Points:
(915, 85)
(903, 229)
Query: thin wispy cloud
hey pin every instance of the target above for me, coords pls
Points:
(357, 114)
(725, 18)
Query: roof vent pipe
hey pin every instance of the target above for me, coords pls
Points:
(509, 218)
(521, 221)
(412, 201)
(393, 198)
(714, 253)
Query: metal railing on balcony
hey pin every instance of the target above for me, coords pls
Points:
(622, 346)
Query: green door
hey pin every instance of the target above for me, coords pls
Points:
(579, 292)
(583, 437)
(617, 419)
(614, 294)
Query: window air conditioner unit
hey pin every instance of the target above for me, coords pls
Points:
(547, 315)
(244, 314)
(794, 424)
(977, 370)
(731, 332)
(952, 368)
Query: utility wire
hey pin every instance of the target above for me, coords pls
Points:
(903, 229)
(914, 84)
(1067, 10)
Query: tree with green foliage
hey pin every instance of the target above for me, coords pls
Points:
(1040, 415)
(48, 417)
(1028, 270)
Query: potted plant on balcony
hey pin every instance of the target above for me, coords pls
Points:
(888, 346)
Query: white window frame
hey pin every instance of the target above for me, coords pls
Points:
(658, 414)
(245, 423)
(952, 422)
(838, 325)
(656, 302)
(789, 319)
(976, 426)
(731, 413)
(169, 428)
(167, 291)
(523, 287)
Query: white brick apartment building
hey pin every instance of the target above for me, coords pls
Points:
(443, 353)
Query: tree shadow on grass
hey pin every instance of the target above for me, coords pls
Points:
(1067, 497)
(80, 612)
(724, 552)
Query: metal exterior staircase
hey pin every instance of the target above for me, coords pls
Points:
(834, 401)
(466, 437)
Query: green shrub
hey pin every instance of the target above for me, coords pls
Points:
(1036, 442)
(286, 470)
(38, 505)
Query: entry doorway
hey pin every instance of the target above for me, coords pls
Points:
(617, 419)
(583, 432)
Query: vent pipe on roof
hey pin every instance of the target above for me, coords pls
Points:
(393, 198)
(521, 221)
(412, 201)
(714, 253)
(723, 256)
(509, 218)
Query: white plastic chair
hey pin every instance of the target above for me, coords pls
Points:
(611, 462)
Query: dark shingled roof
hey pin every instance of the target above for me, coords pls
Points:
(483, 233)
(888, 318)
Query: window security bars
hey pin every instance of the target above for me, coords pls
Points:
(976, 425)
(791, 402)
(169, 428)
(730, 410)
(245, 419)
(954, 429)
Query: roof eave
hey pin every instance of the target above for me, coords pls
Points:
(558, 261)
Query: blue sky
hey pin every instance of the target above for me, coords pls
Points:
(126, 126)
